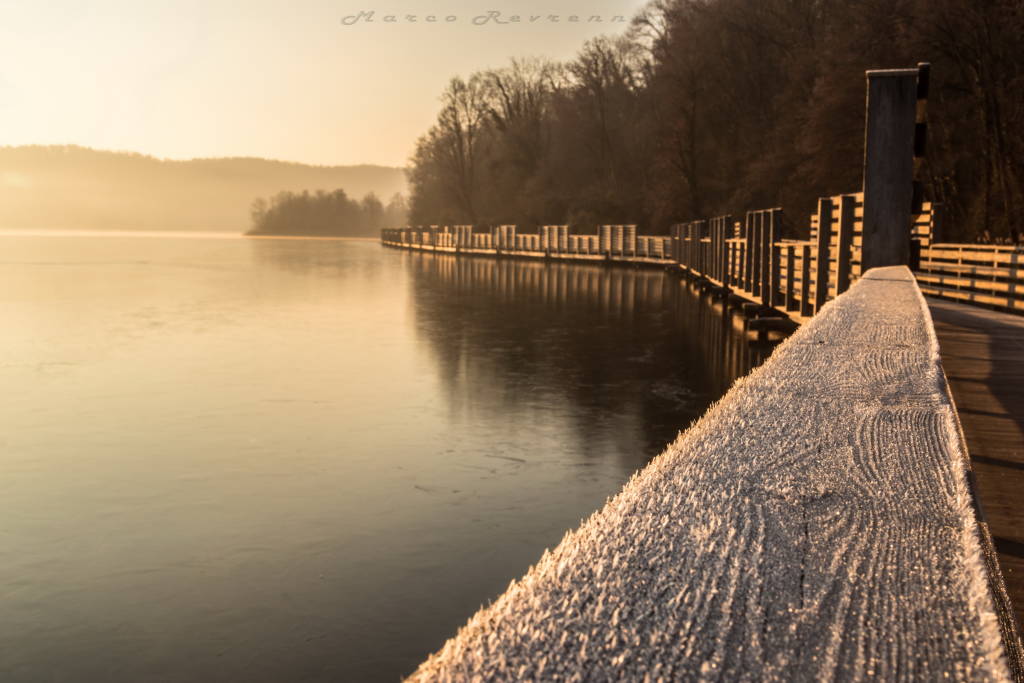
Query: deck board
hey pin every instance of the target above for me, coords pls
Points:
(983, 355)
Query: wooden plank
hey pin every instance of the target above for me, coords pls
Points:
(1011, 289)
(984, 361)
(958, 253)
(972, 297)
(991, 272)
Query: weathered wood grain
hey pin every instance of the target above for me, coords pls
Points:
(816, 523)
(983, 355)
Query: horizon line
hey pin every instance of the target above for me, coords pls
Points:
(131, 152)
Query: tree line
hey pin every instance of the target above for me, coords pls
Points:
(709, 107)
(325, 214)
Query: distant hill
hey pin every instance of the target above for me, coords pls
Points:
(82, 188)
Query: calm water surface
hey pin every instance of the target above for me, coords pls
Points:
(279, 460)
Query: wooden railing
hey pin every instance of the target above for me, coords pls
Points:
(983, 274)
(705, 550)
(611, 242)
(751, 258)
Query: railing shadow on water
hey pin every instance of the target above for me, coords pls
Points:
(600, 336)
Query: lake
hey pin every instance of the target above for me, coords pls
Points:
(310, 460)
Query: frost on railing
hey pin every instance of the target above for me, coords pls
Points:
(816, 523)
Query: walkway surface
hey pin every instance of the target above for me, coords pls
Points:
(983, 355)
(814, 524)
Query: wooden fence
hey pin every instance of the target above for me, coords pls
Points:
(983, 274)
(750, 257)
(611, 242)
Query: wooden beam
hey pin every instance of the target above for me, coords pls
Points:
(888, 167)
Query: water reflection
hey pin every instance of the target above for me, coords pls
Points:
(270, 460)
(605, 339)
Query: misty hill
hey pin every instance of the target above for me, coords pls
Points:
(77, 187)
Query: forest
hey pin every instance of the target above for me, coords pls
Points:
(708, 107)
(325, 214)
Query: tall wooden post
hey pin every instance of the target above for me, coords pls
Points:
(888, 167)
(823, 249)
(920, 134)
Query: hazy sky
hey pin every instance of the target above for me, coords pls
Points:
(284, 80)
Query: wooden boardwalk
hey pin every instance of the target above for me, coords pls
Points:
(983, 355)
(815, 524)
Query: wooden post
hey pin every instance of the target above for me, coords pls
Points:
(770, 279)
(755, 256)
(790, 299)
(684, 245)
(701, 225)
(805, 280)
(730, 265)
(760, 260)
(713, 260)
(699, 235)
(741, 254)
(748, 255)
(693, 247)
(888, 167)
(823, 249)
(723, 258)
(724, 264)
(847, 208)
(920, 133)
(766, 252)
(741, 259)
(772, 300)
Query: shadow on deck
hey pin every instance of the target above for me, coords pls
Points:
(983, 355)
